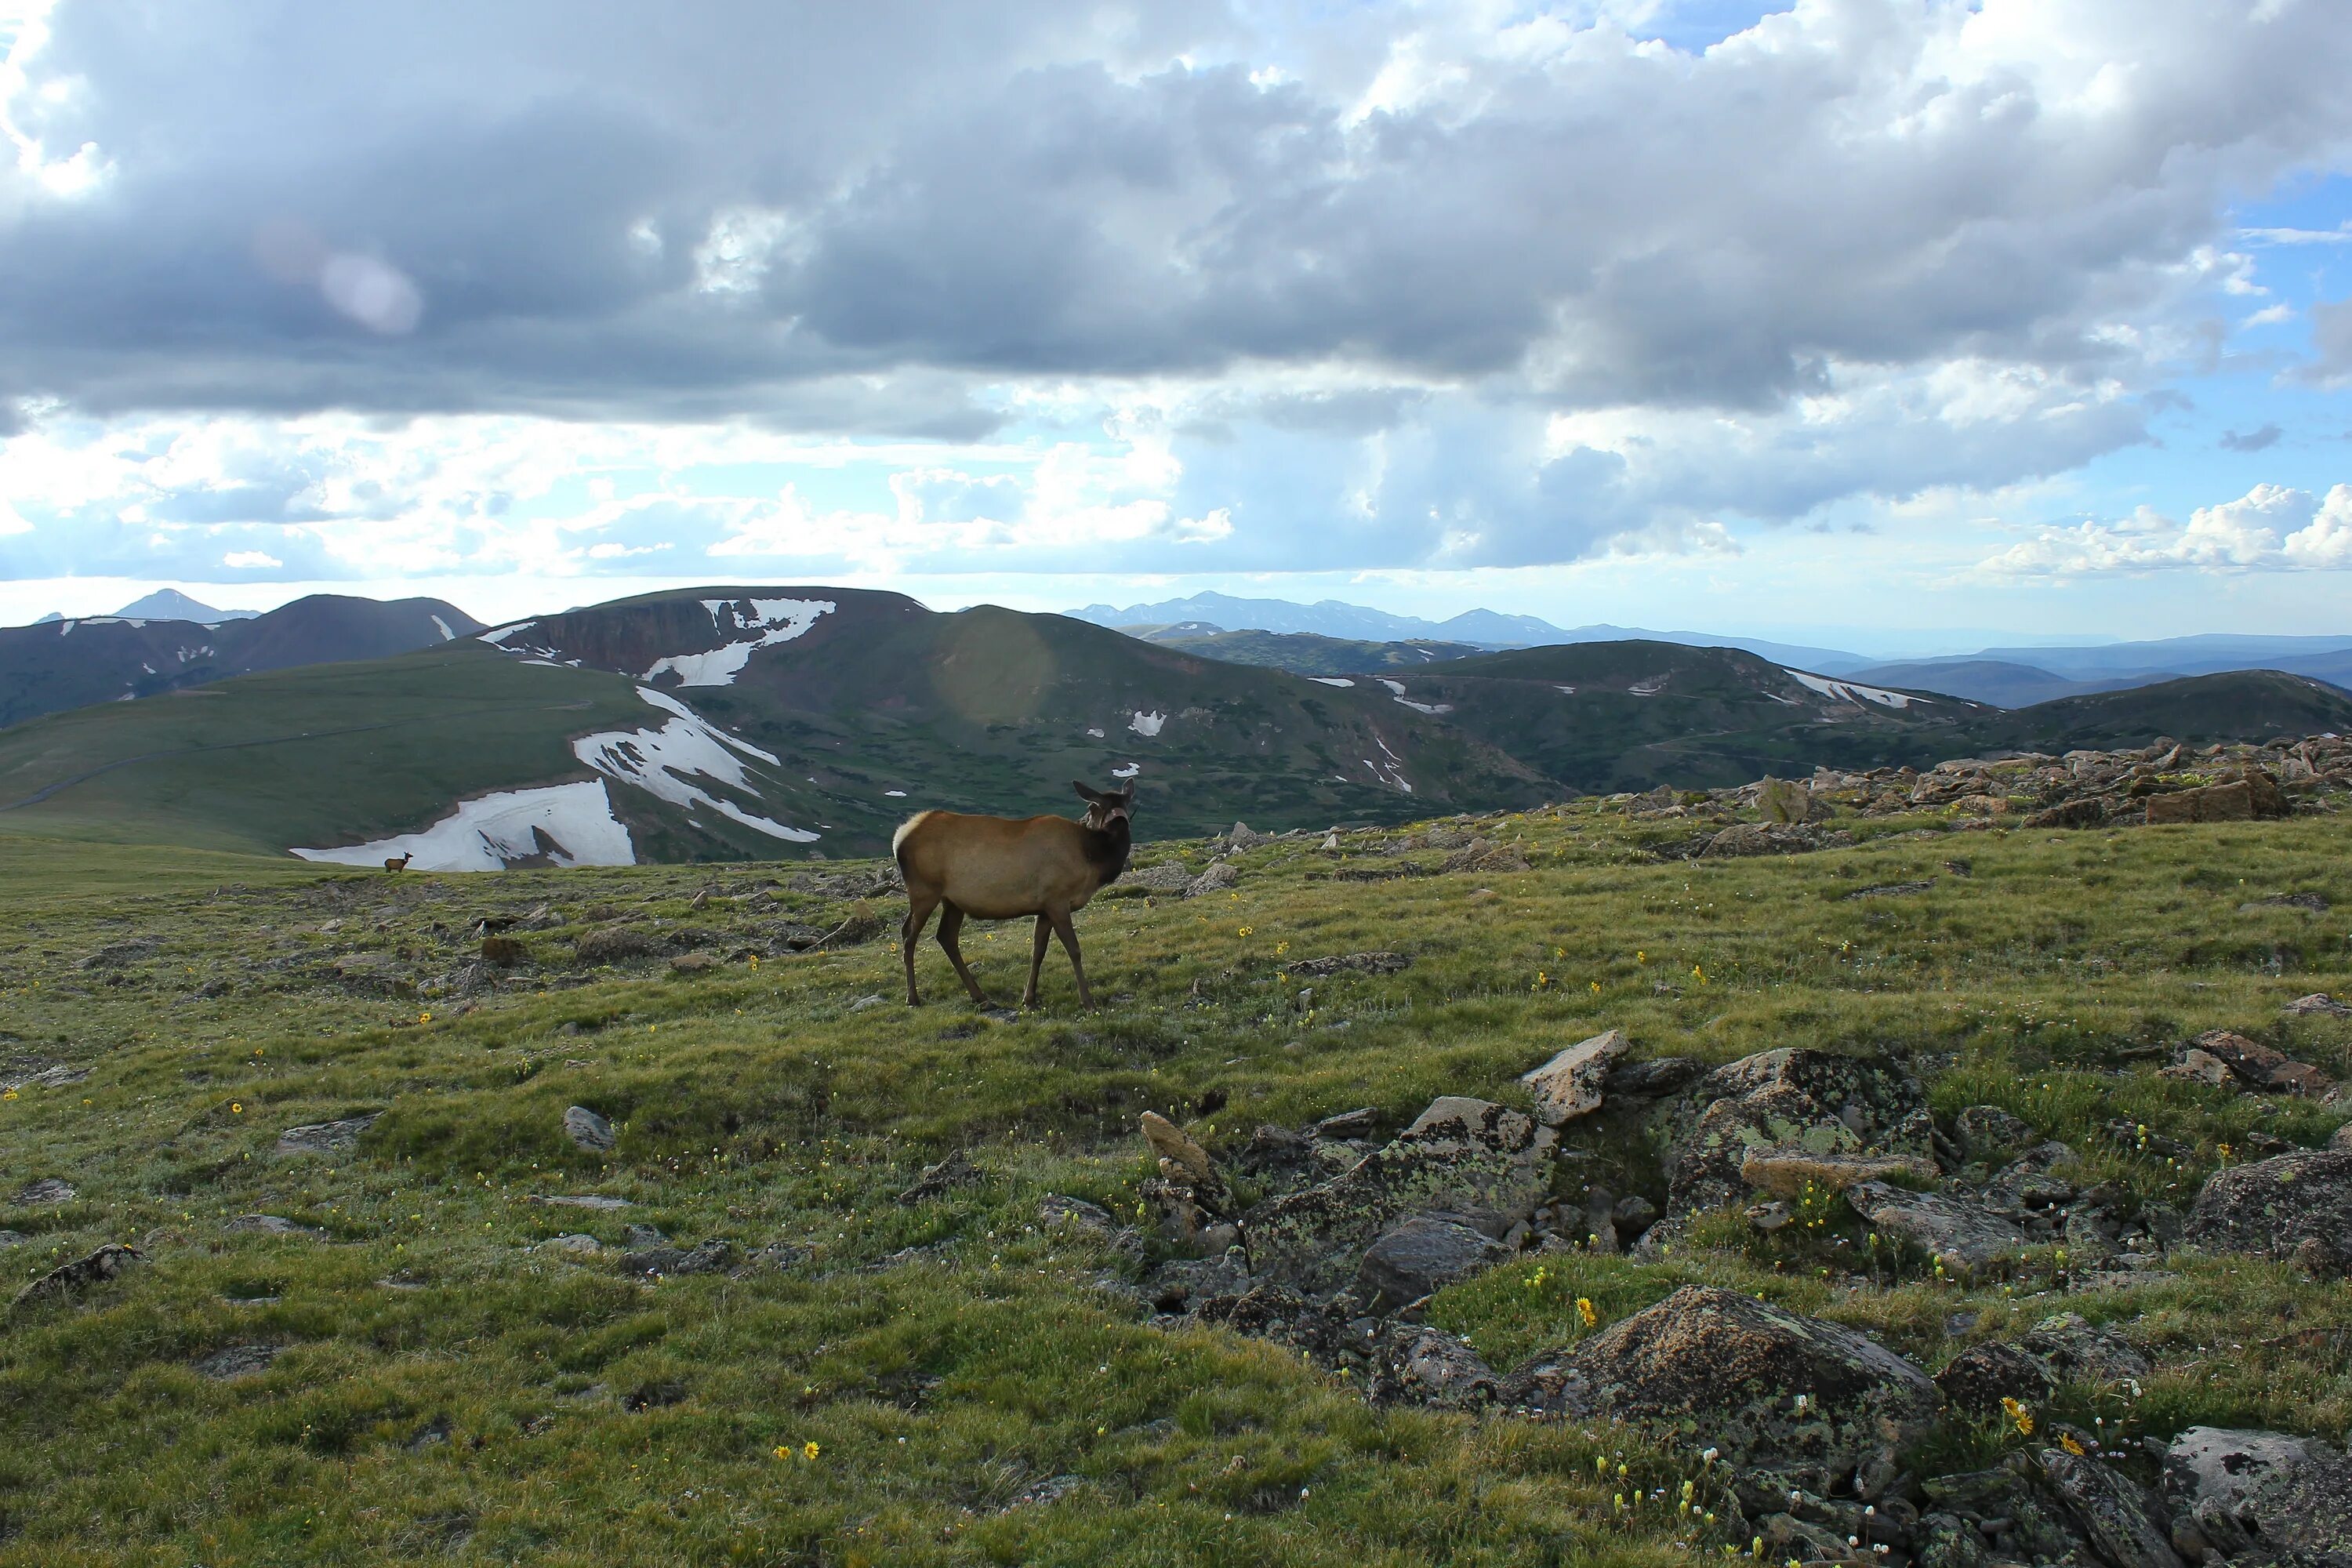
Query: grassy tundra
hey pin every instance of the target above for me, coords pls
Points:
(889, 1380)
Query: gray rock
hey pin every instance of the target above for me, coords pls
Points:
(1436, 1368)
(47, 1190)
(1056, 1212)
(1215, 878)
(575, 1243)
(865, 1003)
(1791, 1099)
(1779, 1393)
(1988, 1129)
(588, 1130)
(1964, 1235)
(950, 1174)
(2263, 1496)
(2318, 1003)
(1571, 1085)
(13, 1238)
(2078, 1353)
(325, 1137)
(2121, 1523)
(1422, 1256)
(271, 1224)
(1650, 1079)
(1354, 963)
(581, 1201)
(108, 1262)
(1790, 1172)
(703, 1257)
(1978, 1378)
(1480, 1162)
(1183, 1283)
(2294, 1205)
(236, 1360)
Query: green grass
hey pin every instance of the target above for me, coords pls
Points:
(445, 1387)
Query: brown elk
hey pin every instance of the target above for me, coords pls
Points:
(400, 862)
(1002, 869)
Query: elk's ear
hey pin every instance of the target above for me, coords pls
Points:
(1088, 796)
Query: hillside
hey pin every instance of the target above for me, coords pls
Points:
(52, 666)
(1304, 653)
(664, 1239)
(1988, 680)
(2242, 705)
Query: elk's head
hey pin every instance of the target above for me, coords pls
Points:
(1106, 807)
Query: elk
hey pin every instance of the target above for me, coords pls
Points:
(400, 862)
(1002, 869)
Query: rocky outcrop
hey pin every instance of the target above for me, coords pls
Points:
(1422, 1256)
(71, 1279)
(2294, 1206)
(2261, 1497)
(1961, 1235)
(1572, 1083)
(2121, 1521)
(1786, 1101)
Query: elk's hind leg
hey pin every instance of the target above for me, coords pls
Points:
(1037, 958)
(950, 927)
(1069, 935)
(910, 932)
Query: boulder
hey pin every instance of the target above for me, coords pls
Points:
(948, 1175)
(2197, 1065)
(588, 1130)
(1650, 1079)
(1422, 1256)
(325, 1137)
(2294, 1205)
(68, 1279)
(1482, 1163)
(1806, 1401)
(1217, 877)
(47, 1191)
(2318, 1004)
(1963, 1236)
(2119, 1519)
(1988, 1129)
(2259, 1495)
(1791, 1099)
(2261, 1066)
(1571, 1085)
(1980, 1377)
(1436, 1368)
(703, 1257)
(1788, 1172)
(2078, 1353)
(271, 1224)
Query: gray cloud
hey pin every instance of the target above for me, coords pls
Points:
(2251, 440)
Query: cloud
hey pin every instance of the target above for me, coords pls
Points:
(2272, 528)
(2251, 440)
(250, 561)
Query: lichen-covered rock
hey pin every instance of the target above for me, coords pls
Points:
(1788, 1172)
(1182, 1284)
(2019, 1521)
(1980, 1377)
(1776, 1392)
(1480, 1162)
(588, 1130)
(2079, 1352)
(1422, 1255)
(2263, 1496)
(1435, 1368)
(325, 1137)
(1961, 1235)
(1987, 1131)
(1571, 1085)
(2294, 1205)
(2112, 1511)
(1788, 1100)
(68, 1279)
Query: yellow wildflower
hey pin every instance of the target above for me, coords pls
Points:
(1584, 1312)
(2072, 1444)
(2018, 1416)
(809, 1449)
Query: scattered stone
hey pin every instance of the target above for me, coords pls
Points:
(2261, 1496)
(1980, 1377)
(2261, 1066)
(505, 951)
(1420, 1257)
(1789, 1099)
(47, 1191)
(1052, 1490)
(1057, 1212)
(864, 1004)
(950, 1174)
(1436, 1368)
(2197, 1065)
(2294, 1206)
(271, 1224)
(1989, 1130)
(704, 1257)
(1770, 1217)
(2318, 1003)
(1167, 878)
(326, 1137)
(2121, 1523)
(576, 1244)
(1215, 878)
(693, 962)
(582, 1201)
(1184, 1282)
(1357, 962)
(57, 1075)
(1893, 889)
(1571, 1084)
(1788, 1172)
(1964, 1237)
(236, 1360)
(613, 944)
(106, 1263)
(588, 1130)
(122, 955)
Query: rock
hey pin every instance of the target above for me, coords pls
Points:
(582, 1201)
(575, 1243)
(2273, 1208)
(703, 1257)
(643, 1236)
(869, 1002)
(1052, 1490)
(2318, 1003)
(270, 1225)
(1422, 1256)
(2197, 1065)
(1436, 1368)
(588, 1130)
(108, 1262)
(2215, 803)
(1168, 879)
(2257, 1496)
(2341, 1138)
(325, 1137)
(1357, 962)
(1770, 1217)
(1215, 878)
(1650, 1079)
(1789, 1099)
(236, 1360)
(1796, 1398)
(1181, 1159)
(1965, 1236)
(1988, 1129)
(1788, 1172)
(1056, 1212)
(2077, 1353)
(693, 962)
(2019, 1521)
(1633, 1214)
(122, 955)
(505, 951)
(2261, 1066)
(955, 1171)
(611, 944)
(14, 1238)
(47, 1191)
(1784, 801)
(1980, 1377)
(2313, 903)
(1477, 1161)
(1181, 1284)
(2113, 1512)
(1571, 1084)
(2087, 812)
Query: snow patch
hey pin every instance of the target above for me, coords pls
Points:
(570, 824)
(771, 622)
(499, 634)
(1330, 681)
(446, 635)
(1565, 690)
(1128, 772)
(664, 763)
(1098, 734)
(1146, 724)
(1849, 691)
(65, 629)
(896, 794)
(1426, 707)
(1396, 687)
(145, 665)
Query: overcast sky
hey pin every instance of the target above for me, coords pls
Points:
(1877, 317)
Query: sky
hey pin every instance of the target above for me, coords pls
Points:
(1894, 324)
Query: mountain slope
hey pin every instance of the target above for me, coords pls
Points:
(2237, 705)
(171, 605)
(1996, 681)
(1304, 653)
(50, 667)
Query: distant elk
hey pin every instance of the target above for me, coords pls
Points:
(400, 862)
(1002, 869)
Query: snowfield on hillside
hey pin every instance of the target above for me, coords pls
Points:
(570, 824)
(665, 762)
(1146, 724)
(771, 622)
(1849, 691)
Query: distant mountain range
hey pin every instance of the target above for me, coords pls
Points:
(52, 666)
(772, 722)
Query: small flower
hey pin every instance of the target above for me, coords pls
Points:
(1585, 1313)
(1640, 957)
(809, 1449)
(1596, 988)
(421, 1018)
(236, 1107)
(7, 1094)
(2018, 1416)
(2072, 1445)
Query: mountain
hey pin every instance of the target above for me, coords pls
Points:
(734, 724)
(1995, 681)
(1301, 652)
(2233, 705)
(171, 605)
(50, 619)
(2165, 659)
(50, 667)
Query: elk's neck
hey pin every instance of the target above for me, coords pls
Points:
(1107, 849)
